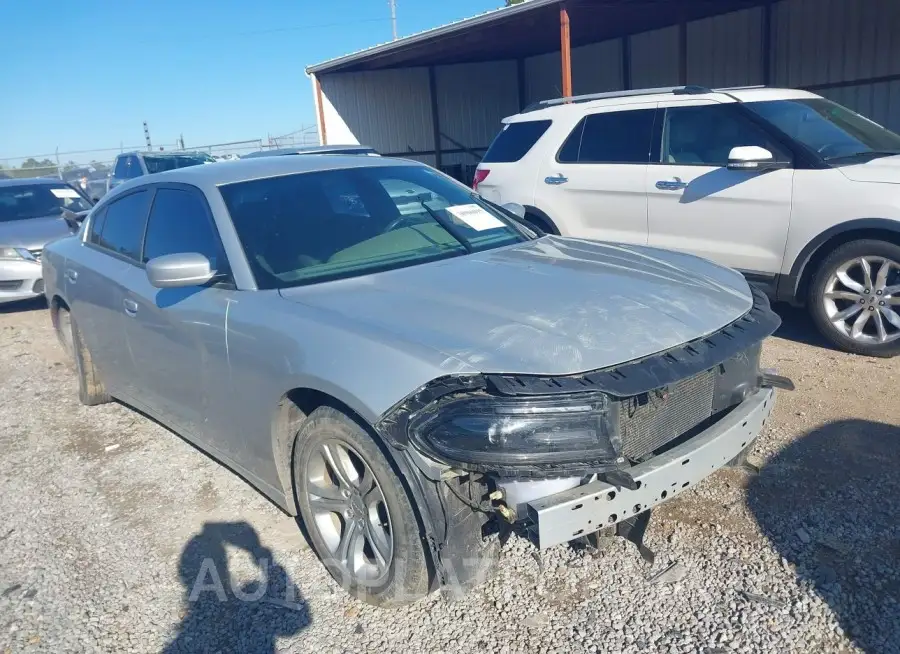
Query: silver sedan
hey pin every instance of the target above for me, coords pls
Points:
(404, 369)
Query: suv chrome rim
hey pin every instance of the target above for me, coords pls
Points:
(350, 512)
(862, 299)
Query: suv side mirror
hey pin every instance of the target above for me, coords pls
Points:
(179, 270)
(752, 157)
(515, 208)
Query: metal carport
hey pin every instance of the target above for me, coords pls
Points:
(438, 96)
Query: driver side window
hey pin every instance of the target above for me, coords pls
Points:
(704, 135)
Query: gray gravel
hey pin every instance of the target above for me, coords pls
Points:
(107, 522)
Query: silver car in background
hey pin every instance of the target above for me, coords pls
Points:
(405, 380)
(31, 215)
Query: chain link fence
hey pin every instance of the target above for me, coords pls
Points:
(94, 164)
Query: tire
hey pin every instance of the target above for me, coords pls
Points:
(91, 390)
(62, 324)
(540, 224)
(875, 303)
(389, 565)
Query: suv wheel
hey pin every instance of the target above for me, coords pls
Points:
(855, 298)
(356, 512)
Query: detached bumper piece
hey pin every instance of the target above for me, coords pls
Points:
(580, 511)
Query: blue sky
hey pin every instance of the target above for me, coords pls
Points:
(85, 75)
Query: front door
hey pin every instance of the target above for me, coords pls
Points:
(696, 204)
(595, 185)
(177, 335)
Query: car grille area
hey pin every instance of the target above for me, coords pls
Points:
(10, 284)
(650, 421)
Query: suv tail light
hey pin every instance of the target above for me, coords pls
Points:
(480, 175)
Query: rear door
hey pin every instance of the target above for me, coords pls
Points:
(177, 335)
(594, 186)
(738, 218)
(94, 285)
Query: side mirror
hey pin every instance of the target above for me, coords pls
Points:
(752, 157)
(515, 209)
(179, 270)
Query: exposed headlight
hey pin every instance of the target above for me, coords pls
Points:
(485, 430)
(15, 254)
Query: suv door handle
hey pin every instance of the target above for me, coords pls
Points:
(72, 276)
(556, 180)
(674, 184)
(131, 307)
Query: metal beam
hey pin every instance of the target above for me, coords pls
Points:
(321, 109)
(435, 121)
(766, 62)
(565, 50)
(682, 52)
(626, 62)
(520, 83)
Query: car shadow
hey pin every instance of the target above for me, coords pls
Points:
(828, 503)
(24, 306)
(797, 326)
(222, 615)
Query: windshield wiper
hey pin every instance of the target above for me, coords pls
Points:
(856, 156)
(448, 225)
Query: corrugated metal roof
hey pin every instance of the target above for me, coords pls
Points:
(399, 44)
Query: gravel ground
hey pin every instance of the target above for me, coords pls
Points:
(117, 536)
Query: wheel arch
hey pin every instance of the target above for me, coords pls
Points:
(794, 287)
(543, 220)
(292, 410)
(57, 303)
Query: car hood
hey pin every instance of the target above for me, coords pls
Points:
(885, 170)
(549, 306)
(33, 233)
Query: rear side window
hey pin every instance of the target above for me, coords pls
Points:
(610, 137)
(121, 169)
(179, 224)
(123, 228)
(515, 140)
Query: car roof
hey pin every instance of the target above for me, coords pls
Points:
(29, 181)
(581, 104)
(163, 153)
(242, 170)
(310, 149)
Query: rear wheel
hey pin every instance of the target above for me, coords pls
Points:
(855, 298)
(357, 514)
(63, 325)
(91, 390)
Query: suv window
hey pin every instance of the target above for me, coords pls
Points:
(134, 167)
(515, 140)
(704, 135)
(121, 169)
(123, 227)
(179, 223)
(610, 137)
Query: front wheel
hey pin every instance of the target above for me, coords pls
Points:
(357, 513)
(854, 298)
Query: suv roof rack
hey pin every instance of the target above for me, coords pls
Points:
(690, 89)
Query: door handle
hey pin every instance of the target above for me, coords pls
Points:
(671, 184)
(72, 276)
(131, 307)
(556, 180)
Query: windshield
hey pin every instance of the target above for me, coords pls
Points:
(160, 163)
(38, 200)
(834, 132)
(311, 227)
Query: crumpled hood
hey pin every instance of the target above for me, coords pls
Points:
(33, 233)
(550, 306)
(884, 169)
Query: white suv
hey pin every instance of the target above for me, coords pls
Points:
(800, 194)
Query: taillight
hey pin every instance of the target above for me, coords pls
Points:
(480, 175)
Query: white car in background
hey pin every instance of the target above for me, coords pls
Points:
(800, 194)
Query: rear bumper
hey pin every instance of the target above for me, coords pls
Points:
(20, 280)
(563, 516)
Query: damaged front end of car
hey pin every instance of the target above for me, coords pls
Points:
(567, 456)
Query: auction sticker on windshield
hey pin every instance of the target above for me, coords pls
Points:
(475, 217)
(63, 193)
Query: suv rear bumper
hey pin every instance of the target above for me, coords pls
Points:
(561, 517)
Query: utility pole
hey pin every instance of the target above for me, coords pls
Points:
(393, 4)
(147, 136)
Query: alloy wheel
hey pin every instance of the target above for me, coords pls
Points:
(862, 299)
(350, 512)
